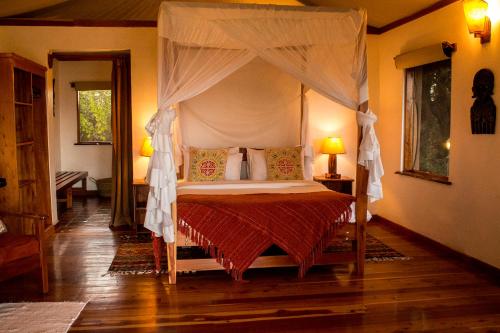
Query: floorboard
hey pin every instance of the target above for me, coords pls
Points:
(430, 292)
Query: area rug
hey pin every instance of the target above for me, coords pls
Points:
(135, 254)
(42, 317)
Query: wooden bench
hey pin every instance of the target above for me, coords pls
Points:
(64, 185)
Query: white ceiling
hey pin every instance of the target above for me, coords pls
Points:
(380, 12)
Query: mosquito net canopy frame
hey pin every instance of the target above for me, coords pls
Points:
(199, 44)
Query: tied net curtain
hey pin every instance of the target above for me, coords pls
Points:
(201, 44)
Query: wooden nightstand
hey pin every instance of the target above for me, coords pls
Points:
(140, 197)
(343, 185)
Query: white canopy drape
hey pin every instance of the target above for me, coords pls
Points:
(201, 44)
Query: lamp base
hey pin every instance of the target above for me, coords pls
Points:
(332, 167)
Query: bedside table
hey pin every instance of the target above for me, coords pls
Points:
(140, 198)
(342, 185)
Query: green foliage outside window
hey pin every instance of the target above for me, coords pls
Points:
(435, 118)
(95, 115)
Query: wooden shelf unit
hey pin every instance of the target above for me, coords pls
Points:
(23, 139)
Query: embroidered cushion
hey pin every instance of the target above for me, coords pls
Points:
(186, 165)
(284, 163)
(207, 164)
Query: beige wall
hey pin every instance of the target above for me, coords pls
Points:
(95, 159)
(36, 42)
(465, 215)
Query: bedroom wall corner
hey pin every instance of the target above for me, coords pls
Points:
(332, 119)
(463, 215)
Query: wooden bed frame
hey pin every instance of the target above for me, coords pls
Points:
(356, 233)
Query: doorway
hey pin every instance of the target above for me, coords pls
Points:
(92, 112)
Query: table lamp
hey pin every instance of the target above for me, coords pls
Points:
(332, 146)
(146, 149)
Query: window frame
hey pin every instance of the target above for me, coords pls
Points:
(88, 86)
(407, 142)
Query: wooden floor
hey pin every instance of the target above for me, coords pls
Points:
(427, 293)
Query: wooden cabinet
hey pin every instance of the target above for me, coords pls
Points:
(140, 196)
(23, 139)
(343, 185)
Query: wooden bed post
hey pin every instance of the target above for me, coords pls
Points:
(172, 249)
(361, 205)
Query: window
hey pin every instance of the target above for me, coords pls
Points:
(94, 113)
(427, 121)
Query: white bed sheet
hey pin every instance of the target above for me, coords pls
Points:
(249, 187)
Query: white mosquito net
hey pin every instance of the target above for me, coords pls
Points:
(200, 44)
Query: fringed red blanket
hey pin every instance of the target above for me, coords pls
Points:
(236, 229)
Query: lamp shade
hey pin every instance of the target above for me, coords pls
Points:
(147, 149)
(475, 15)
(333, 146)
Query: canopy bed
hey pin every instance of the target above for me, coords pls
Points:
(199, 46)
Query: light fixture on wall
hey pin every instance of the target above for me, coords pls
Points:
(478, 22)
(332, 146)
(146, 149)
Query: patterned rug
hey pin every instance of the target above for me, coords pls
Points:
(135, 254)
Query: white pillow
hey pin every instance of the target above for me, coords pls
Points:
(185, 155)
(257, 164)
(233, 166)
(3, 227)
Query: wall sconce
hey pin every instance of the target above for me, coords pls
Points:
(478, 22)
(146, 149)
(332, 146)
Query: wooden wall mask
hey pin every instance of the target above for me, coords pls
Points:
(483, 111)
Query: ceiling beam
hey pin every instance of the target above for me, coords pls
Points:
(77, 23)
(151, 23)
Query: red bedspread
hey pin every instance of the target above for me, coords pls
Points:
(236, 229)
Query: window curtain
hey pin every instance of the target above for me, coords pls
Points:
(202, 43)
(121, 191)
(413, 95)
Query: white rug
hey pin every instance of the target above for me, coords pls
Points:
(43, 317)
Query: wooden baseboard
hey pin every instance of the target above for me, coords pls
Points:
(443, 250)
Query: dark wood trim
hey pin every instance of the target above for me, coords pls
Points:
(414, 16)
(443, 251)
(371, 30)
(104, 143)
(77, 23)
(86, 56)
(425, 176)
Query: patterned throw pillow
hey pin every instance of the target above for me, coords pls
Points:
(284, 163)
(3, 227)
(207, 164)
